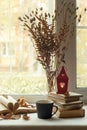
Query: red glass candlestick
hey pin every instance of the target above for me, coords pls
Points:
(62, 82)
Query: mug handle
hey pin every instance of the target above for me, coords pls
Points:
(54, 106)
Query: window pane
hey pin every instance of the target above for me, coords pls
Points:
(82, 48)
(20, 72)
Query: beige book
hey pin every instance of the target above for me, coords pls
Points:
(71, 96)
(64, 100)
(71, 113)
(21, 110)
(69, 105)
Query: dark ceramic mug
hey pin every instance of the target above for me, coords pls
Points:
(45, 109)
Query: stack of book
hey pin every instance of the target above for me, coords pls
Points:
(70, 105)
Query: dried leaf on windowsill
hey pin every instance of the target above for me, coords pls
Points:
(26, 117)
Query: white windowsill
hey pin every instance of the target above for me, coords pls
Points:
(40, 124)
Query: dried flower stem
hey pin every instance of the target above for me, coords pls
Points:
(47, 42)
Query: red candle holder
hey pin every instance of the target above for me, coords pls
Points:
(62, 82)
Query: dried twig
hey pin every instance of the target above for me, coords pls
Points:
(47, 42)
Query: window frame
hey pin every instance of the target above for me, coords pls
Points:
(71, 70)
(71, 64)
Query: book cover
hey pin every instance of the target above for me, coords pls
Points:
(71, 113)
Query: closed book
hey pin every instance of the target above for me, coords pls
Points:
(71, 113)
(71, 96)
(54, 98)
(67, 106)
(70, 103)
(71, 107)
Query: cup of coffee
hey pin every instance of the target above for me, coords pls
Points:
(45, 109)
